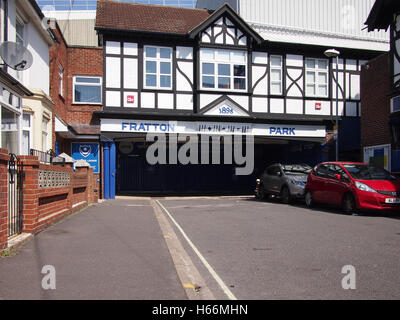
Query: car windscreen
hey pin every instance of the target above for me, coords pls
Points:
(296, 168)
(368, 172)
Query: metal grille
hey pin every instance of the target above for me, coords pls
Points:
(15, 195)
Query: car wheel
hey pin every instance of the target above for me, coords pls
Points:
(309, 199)
(349, 204)
(261, 195)
(285, 195)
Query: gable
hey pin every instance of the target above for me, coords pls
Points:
(225, 27)
(225, 107)
(225, 32)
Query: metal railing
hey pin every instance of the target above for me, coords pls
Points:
(47, 157)
(15, 194)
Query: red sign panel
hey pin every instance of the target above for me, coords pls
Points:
(318, 106)
(130, 99)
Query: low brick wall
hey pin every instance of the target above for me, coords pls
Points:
(49, 193)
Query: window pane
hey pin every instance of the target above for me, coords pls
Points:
(322, 77)
(310, 77)
(165, 53)
(87, 80)
(25, 142)
(44, 125)
(224, 83)
(19, 29)
(311, 89)
(165, 81)
(207, 54)
(90, 94)
(151, 52)
(239, 70)
(208, 68)
(276, 75)
(322, 64)
(239, 83)
(224, 70)
(238, 56)
(9, 130)
(276, 61)
(276, 88)
(310, 63)
(165, 67)
(223, 55)
(151, 67)
(208, 82)
(151, 80)
(322, 90)
(26, 120)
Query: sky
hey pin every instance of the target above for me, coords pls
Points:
(48, 5)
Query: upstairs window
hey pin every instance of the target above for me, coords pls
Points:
(61, 80)
(157, 67)
(19, 31)
(223, 70)
(87, 89)
(317, 77)
(275, 66)
(45, 124)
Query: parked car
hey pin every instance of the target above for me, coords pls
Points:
(286, 181)
(353, 186)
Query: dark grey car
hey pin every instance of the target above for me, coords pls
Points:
(287, 181)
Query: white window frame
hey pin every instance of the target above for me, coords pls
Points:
(45, 132)
(18, 20)
(216, 61)
(316, 71)
(87, 84)
(13, 108)
(273, 68)
(29, 129)
(158, 61)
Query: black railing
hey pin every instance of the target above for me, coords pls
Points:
(48, 157)
(15, 194)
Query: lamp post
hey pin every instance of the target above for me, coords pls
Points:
(332, 53)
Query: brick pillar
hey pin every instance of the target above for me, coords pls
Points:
(4, 157)
(30, 210)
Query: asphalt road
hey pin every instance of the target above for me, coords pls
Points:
(267, 250)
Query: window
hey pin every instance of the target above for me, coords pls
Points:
(60, 79)
(274, 171)
(395, 104)
(87, 89)
(19, 31)
(26, 133)
(9, 130)
(45, 123)
(223, 69)
(158, 67)
(275, 66)
(317, 77)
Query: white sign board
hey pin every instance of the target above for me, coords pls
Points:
(221, 128)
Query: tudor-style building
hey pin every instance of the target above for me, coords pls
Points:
(195, 71)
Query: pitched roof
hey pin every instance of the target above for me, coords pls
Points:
(148, 18)
(381, 14)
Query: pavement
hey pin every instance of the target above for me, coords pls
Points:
(205, 248)
(111, 250)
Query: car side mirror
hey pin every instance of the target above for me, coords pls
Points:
(279, 174)
(338, 176)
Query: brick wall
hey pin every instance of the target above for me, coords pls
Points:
(83, 61)
(375, 104)
(43, 204)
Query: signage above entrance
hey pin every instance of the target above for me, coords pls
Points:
(200, 127)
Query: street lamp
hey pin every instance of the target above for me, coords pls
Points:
(332, 53)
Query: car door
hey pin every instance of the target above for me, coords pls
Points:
(335, 188)
(271, 179)
(318, 183)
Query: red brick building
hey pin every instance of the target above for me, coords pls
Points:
(380, 92)
(76, 69)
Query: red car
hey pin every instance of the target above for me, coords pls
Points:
(353, 186)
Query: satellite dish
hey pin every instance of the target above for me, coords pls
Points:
(15, 55)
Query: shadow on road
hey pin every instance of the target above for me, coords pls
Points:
(326, 208)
